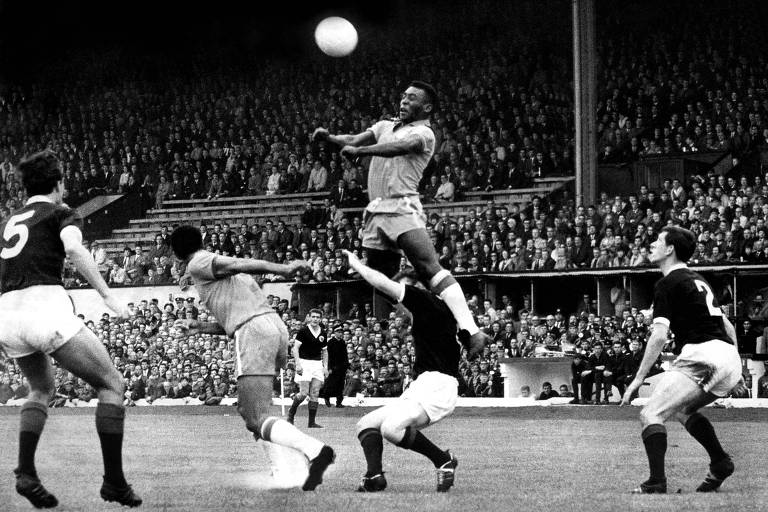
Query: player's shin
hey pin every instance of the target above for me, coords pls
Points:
(110, 419)
(446, 286)
(281, 432)
(702, 430)
(33, 416)
(373, 448)
(417, 442)
(655, 441)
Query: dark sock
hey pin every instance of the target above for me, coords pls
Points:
(339, 399)
(702, 430)
(33, 416)
(417, 442)
(655, 440)
(312, 410)
(373, 447)
(295, 406)
(110, 419)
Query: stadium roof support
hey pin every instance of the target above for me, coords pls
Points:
(585, 101)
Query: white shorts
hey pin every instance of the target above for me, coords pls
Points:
(714, 365)
(39, 318)
(436, 392)
(310, 369)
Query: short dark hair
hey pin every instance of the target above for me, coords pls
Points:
(430, 91)
(315, 311)
(683, 240)
(40, 172)
(186, 240)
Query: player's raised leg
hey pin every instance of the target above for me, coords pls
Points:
(87, 358)
(254, 399)
(419, 250)
(39, 373)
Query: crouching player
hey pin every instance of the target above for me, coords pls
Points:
(430, 398)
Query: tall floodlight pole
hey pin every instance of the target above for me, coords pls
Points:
(585, 100)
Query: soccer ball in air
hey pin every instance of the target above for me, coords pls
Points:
(336, 36)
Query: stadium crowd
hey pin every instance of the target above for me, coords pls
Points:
(507, 116)
(728, 216)
(162, 365)
(506, 119)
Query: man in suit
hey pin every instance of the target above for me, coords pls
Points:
(338, 364)
(339, 194)
(128, 263)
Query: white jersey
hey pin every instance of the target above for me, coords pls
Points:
(395, 177)
(233, 300)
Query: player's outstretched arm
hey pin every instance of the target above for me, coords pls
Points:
(72, 238)
(412, 144)
(392, 289)
(361, 139)
(190, 326)
(227, 266)
(655, 344)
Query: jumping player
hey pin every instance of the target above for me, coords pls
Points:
(310, 351)
(429, 398)
(394, 218)
(707, 365)
(37, 321)
(261, 339)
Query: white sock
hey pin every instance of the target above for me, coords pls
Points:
(283, 433)
(453, 296)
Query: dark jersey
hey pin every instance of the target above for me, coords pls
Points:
(686, 301)
(434, 333)
(311, 347)
(32, 252)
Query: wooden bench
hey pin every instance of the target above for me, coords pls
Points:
(224, 201)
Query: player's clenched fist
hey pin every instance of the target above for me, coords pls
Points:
(297, 267)
(120, 309)
(350, 151)
(187, 325)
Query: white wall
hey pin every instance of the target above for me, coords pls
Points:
(88, 302)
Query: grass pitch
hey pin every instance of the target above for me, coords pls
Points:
(523, 459)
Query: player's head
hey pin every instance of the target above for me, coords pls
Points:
(41, 174)
(186, 241)
(418, 101)
(674, 243)
(315, 315)
(408, 276)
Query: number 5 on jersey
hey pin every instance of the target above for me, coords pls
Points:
(710, 298)
(12, 228)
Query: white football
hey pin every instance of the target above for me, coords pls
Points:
(336, 36)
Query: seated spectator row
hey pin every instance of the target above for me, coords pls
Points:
(728, 216)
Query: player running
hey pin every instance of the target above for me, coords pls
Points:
(430, 398)
(707, 365)
(37, 320)
(394, 220)
(310, 351)
(261, 339)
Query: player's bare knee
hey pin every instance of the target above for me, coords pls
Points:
(253, 419)
(364, 423)
(391, 430)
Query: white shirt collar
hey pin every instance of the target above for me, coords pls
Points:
(39, 199)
